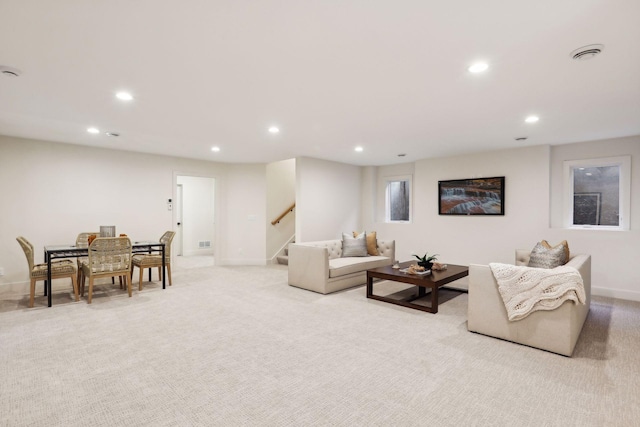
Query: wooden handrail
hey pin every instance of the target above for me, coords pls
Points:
(283, 214)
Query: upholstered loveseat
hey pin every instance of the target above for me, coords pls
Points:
(556, 330)
(320, 267)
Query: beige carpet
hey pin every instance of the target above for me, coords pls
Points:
(233, 346)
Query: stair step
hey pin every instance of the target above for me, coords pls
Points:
(283, 259)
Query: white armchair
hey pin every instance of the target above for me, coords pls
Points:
(556, 330)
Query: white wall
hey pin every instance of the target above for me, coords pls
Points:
(533, 201)
(475, 239)
(245, 210)
(198, 214)
(615, 254)
(328, 197)
(53, 191)
(281, 193)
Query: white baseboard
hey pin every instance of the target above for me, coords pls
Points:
(198, 252)
(22, 288)
(19, 287)
(616, 293)
(242, 261)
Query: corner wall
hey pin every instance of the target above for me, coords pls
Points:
(328, 197)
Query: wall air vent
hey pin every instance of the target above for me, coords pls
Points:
(204, 244)
(587, 52)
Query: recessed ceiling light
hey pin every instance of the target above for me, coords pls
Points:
(124, 96)
(115, 134)
(274, 129)
(478, 67)
(401, 155)
(359, 149)
(215, 149)
(93, 130)
(521, 138)
(532, 119)
(588, 173)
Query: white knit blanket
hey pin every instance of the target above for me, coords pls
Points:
(527, 289)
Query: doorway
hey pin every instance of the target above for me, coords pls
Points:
(195, 221)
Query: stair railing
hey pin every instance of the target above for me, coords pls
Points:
(283, 214)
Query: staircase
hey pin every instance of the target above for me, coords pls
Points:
(284, 259)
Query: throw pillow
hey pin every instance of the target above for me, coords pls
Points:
(354, 246)
(372, 242)
(542, 257)
(565, 247)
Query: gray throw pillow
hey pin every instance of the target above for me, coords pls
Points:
(354, 246)
(542, 257)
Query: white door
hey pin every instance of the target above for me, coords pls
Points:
(179, 234)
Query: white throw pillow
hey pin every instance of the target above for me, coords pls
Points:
(354, 246)
(542, 257)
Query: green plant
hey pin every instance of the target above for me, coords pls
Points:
(426, 259)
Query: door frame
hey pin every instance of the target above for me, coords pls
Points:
(216, 210)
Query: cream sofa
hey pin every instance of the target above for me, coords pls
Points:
(556, 330)
(319, 266)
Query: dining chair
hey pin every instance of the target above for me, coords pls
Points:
(59, 270)
(108, 257)
(82, 241)
(143, 261)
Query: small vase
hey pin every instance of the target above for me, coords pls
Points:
(426, 265)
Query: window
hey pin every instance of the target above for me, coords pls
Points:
(398, 199)
(598, 193)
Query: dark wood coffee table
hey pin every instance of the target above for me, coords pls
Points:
(432, 281)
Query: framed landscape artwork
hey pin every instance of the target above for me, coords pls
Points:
(474, 196)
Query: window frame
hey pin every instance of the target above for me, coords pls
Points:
(387, 206)
(624, 163)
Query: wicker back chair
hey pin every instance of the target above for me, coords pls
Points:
(82, 241)
(59, 269)
(108, 257)
(143, 261)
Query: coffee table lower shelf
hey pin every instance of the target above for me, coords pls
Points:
(433, 281)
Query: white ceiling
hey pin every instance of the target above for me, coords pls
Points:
(390, 76)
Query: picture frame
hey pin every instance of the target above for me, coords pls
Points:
(471, 196)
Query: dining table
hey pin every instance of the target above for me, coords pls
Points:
(52, 252)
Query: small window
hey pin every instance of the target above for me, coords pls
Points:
(598, 193)
(398, 200)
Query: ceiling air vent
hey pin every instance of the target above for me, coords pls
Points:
(9, 71)
(587, 52)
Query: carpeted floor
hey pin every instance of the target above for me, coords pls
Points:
(232, 346)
